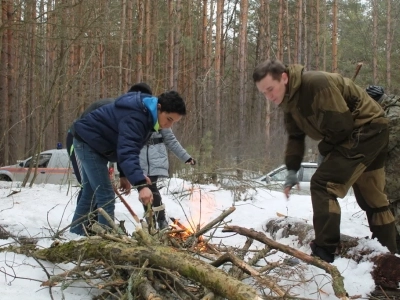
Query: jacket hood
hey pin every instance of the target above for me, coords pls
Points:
(132, 100)
(151, 104)
(294, 72)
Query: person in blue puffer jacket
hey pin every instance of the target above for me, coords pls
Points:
(154, 162)
(116, 132)
(76, 164)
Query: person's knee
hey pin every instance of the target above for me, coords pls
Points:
(319, 185)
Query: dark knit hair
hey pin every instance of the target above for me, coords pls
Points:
(172, 102)
(141, 87)
(375, 92)
(273, 67)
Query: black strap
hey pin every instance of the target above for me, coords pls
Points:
(380, 209)
(155, 141)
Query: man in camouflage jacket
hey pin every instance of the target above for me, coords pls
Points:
(391, 106)
(354, 138)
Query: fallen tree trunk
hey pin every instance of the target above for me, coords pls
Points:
(213, 279)
(386, 272)
(286, 226)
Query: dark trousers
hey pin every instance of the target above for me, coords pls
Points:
(74, 162)
(359, 162)
(395, 208)
(157, 201)
(97, 189)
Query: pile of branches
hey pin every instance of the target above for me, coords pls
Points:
(177, 263)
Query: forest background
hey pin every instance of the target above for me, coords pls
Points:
(59, 56)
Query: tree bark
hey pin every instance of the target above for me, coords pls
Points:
(217, 67)
(170, 46)
(128, 48)
(317, 35)
(299, 33)
(280, 31)
(176, 42)
(148, 40)
(334, 36)
(375, 41)
(6, 16)
(389, 44)
(139, 41)
(243, 117)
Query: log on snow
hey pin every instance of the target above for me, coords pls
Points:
(212, 278)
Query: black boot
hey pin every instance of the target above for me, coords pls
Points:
(322, 253)
(162, 224)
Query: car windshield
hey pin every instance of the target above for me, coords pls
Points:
(43, 161)
(279, 175)
(308, 172)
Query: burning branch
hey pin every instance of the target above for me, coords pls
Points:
(192, 239)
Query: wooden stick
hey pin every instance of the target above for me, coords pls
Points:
(358, 68)
(265, 280)
(210, 225)
(135, 217)
(337, 279)
(109, 220)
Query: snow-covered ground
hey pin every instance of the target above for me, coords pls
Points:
(43, 209)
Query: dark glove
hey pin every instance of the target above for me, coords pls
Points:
(291, 179)
(190, 161)
(325, 148)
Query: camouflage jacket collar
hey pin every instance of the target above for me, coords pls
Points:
(389, 100)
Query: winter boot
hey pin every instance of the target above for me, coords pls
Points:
(322, 253)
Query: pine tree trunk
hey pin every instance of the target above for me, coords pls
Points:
(389, 43)
(334, 36)
(139, 42)
(280, 31)
(244, 11)
(217, 67)
(317, 35)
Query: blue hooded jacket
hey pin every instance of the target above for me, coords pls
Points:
(119, 130)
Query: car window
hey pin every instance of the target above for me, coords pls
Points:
(308, 172)
(61, 159)
(279, 175)
(43, 161)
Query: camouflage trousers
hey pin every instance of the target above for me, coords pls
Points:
(358, 163)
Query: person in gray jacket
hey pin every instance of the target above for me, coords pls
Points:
(154, 163)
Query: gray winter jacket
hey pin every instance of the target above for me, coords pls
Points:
(154, 157)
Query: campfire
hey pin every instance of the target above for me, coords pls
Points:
(186, 237)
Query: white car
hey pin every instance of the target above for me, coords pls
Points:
(276, 178)
(53, 167)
